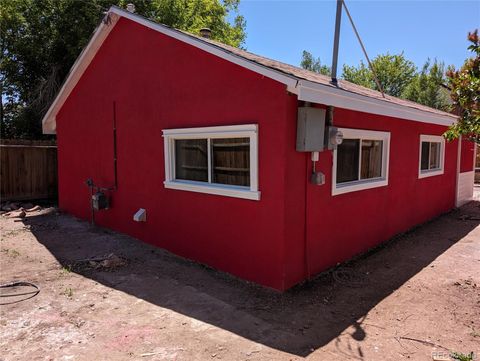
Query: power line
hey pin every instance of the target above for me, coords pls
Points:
(363, 48)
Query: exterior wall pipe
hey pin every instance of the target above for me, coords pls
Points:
(306, 247)
(115, 187)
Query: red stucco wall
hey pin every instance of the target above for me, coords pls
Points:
(160, 83)
(339, 227)
(466, 158)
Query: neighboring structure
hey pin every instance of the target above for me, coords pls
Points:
(477, 164)
(466, 173)
(194, 143)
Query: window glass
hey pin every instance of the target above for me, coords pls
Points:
(425, 155)
(371, 164)
(361, 161)
(434, 156)
(231, 161)
(191, 159)
(348, 160)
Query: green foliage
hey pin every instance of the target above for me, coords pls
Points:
(192, 15)
(40, 40)
(360, 75)
(66, 270)
(68, 292)
(398, 77)
(11, 252)
(427, 87)
(309, 62)
(394, 73)
(465, 94)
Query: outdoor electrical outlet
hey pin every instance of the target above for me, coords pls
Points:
(317, 178)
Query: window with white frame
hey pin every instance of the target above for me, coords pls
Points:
(361, 161)
(432, 154)
(216, 160)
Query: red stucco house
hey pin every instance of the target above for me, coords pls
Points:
(198, 148)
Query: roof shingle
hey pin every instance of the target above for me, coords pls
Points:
(324, 80)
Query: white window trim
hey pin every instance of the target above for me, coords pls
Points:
(432, 172)
(231, 131)
(359, 185)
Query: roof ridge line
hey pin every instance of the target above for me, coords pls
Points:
(364, 99)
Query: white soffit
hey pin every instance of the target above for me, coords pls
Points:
(322, 94)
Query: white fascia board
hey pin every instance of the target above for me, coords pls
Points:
(49, 121)
(305, 90)
(323, 94)
(114, 14)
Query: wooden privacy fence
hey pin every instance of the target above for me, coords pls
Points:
(28, 169)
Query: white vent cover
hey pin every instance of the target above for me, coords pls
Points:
(140, 216)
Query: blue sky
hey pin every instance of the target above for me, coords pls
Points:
(421, 29)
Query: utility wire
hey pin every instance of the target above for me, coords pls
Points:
(363, 48)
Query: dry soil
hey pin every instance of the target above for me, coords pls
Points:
(417, 295)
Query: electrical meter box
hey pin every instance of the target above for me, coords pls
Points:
(310, 129)
(99, 201)
(333, 137)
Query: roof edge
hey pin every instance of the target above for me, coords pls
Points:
(101, 33)
(287, 79)
(323, 94)
(83, 61)
(304, 89)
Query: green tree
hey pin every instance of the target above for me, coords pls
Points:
(309, 62)
(40, 40)
(192, 15)
(394, 73)
(427, 87)
(465, 93)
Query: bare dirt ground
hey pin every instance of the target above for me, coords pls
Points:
(417, 295)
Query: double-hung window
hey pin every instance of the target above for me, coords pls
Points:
(361, 161)
(432, 154)
(216, 160)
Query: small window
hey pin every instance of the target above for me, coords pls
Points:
(432, 153)
(214, 160)
(361, 161)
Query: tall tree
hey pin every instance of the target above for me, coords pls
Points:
(427, 87)
(40, 40)
(394, 73)
(309, 62)
(465, 93)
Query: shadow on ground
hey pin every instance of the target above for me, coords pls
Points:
(298, 321)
